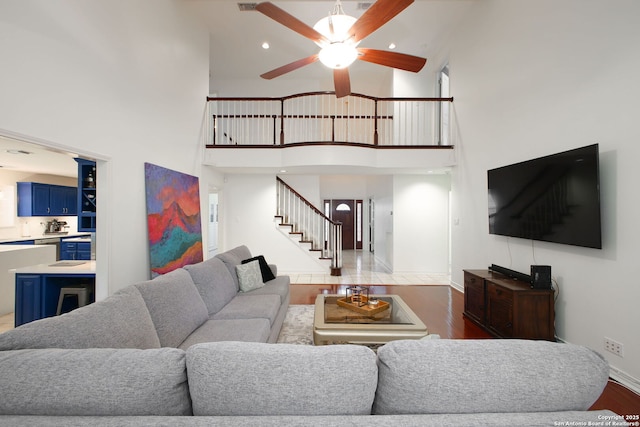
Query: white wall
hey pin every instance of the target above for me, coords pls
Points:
(308, 186)
(380, 190)
(421, 223)
(532, 78)
(123, 81)
(291, 85)
(248, 219)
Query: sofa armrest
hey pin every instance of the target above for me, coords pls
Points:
(274, 269)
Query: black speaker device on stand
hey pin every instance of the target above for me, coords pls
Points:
(541, 276)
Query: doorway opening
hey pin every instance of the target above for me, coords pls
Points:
(348, 212)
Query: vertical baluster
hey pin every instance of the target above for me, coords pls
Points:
(232, 131)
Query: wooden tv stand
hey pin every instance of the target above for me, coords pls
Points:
(508, 308)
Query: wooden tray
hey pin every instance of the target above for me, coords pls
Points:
(366, 308)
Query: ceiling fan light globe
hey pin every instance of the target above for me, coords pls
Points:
(341, 26)
(338, 55)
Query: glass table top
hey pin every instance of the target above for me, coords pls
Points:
(395, 314)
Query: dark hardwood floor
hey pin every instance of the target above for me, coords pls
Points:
(440, 308)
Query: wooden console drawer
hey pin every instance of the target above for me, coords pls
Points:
(499, 310)
(474, 298)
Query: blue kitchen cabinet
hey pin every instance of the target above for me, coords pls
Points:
(36, 199)
(28, 298)
(87, 195)
(75, 250)
(83, 251)
(68, 250)
(37, 294)
(63, 200)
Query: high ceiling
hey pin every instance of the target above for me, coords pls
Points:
(21, 156)
(236, 53)
(237, 36)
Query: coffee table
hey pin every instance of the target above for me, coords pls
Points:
(333, 324)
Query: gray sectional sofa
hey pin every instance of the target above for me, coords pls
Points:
(199, 303)
(407, 383)
(190, 349)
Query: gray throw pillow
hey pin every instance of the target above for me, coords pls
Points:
(249, 276)
(265, 270)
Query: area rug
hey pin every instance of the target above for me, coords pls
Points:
(298, 325)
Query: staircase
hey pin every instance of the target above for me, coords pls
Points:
(309, 228)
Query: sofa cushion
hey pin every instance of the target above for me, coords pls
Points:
(265, 269)
(278, 286)
(251, 307)
(250, 330)
(476, 376)
(119, 321)
(249, 276)
(175, 306)
(234, 378)
(214, 282)
(94, 382)
(234, 257)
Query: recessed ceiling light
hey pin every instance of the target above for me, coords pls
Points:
(265, 45)
(247, 7)
(392, 45)
(283, 171)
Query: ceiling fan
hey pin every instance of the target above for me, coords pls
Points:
(338, 36)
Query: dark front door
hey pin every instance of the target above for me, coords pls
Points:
(343, 211)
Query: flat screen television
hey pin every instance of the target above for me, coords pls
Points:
(554, 198)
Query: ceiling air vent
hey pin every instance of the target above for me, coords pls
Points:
(363, 6)
(247, 7)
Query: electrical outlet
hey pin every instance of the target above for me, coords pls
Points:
(614, 346)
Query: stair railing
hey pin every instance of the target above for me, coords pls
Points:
(311, 224)
(321, 118)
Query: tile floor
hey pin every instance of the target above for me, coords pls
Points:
(359, 268)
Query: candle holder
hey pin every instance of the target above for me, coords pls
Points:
(357, 295)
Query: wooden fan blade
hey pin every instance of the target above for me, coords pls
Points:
(376, 16)
(401, 61)
(341, 82)
(290, 21)
(289, 67)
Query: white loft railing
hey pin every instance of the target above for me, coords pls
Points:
(320, 117)
(314, 227)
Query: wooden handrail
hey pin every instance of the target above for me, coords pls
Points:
(306, 202)
(299, 95)
(252, 119)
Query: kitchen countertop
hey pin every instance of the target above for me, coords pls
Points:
(78, 239)
(11, 248)
(44, 236)
(60, 267)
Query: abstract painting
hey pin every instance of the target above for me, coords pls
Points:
(173, 219)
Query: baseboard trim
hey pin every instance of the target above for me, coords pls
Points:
(457, 286)
(624, 379)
